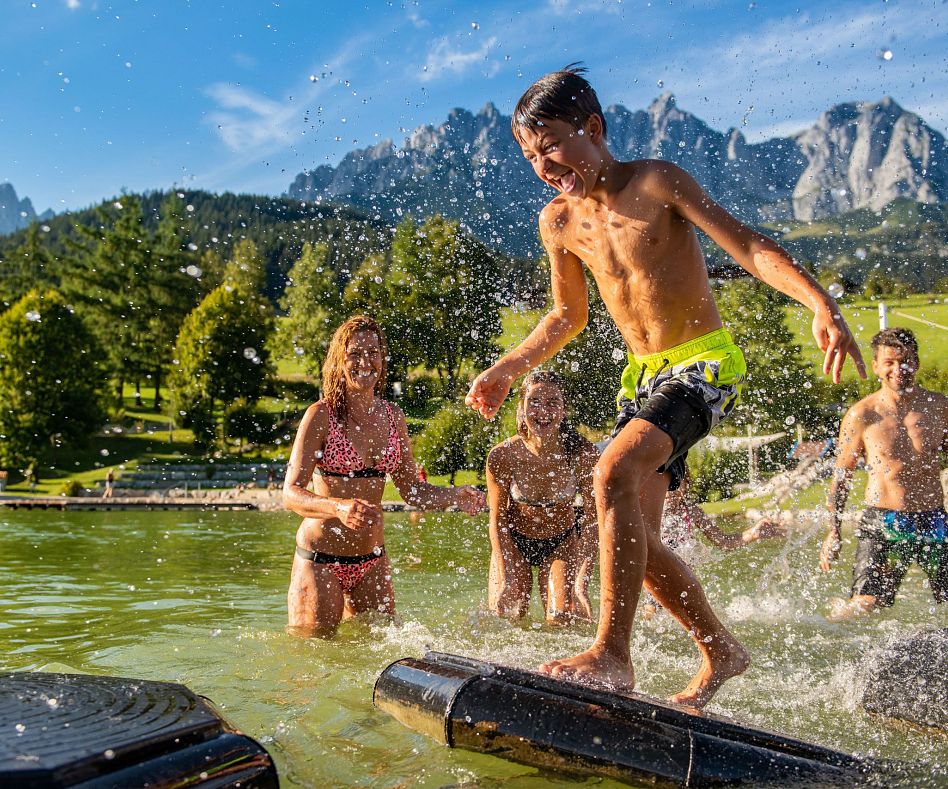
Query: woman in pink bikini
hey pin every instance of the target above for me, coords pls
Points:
(346, 444)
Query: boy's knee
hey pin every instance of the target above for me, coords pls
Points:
(618, 478)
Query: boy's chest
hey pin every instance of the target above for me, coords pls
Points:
(601, 231)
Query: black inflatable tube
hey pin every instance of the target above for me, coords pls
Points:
(533, 719)
(89, 732)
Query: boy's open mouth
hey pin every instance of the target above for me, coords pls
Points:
(566, 182)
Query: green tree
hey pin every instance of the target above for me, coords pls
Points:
(440, 297)
(246, 268)
(221, 352)
(592, 365)
(52, 378)
(313, 306)
(780, 386)
(30, 265)
(129, 290)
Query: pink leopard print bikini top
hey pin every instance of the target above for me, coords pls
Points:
(339, 458)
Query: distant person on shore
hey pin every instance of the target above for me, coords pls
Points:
(902, 433)
(109, 484)
(633, 225)
(347, 443)
(533, 481)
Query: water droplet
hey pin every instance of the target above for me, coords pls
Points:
(33, 317)
(53, 703)
(661, 83)
(835, 290)
(475, 26)
(885, 54)
(108, 753)
(249, 353)
(20, 727)
(790, 420)
(104, 453)
(860, 253)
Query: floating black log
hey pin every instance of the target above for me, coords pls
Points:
(536, 720)
(72, 730)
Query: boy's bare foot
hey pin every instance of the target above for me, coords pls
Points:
(715, 670)
(842, 610)
(595, 667)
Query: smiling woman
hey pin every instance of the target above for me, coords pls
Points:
(346, 445)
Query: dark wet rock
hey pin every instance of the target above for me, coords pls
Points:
(908, 679)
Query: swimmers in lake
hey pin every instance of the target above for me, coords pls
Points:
(533, 482)
(347, 443)
(633, 225)
(902, 433)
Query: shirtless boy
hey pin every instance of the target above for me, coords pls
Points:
(902, 432)
(633, 225)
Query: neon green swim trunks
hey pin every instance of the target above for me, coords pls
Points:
(685, 391)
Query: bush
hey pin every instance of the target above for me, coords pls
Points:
(714, 474)
(200, 418)
(457, 438)
(417, 392)
(71, 488)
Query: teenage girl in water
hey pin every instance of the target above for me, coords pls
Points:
(533, 481)
(346, 445)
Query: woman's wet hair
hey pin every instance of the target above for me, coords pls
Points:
(572, 440)
(334, 378)
(562, 95)
(902, 340)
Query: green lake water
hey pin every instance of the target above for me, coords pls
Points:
(199, 598)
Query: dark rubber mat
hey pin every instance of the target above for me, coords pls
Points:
(70, 729)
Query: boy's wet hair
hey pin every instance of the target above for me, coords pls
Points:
(902, 340)
(562, 95)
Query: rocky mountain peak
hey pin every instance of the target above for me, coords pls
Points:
(857, 154)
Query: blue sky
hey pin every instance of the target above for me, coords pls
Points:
(96, 96)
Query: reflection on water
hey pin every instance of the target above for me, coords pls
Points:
(199, 598)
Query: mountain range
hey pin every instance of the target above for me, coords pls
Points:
(857, 155)
(14, 212)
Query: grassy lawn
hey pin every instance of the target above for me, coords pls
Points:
(863, 319)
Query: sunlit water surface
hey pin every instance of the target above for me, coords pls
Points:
(199, 598)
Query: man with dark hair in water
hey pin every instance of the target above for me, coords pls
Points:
(902, 433)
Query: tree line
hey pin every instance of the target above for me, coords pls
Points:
(143, 291)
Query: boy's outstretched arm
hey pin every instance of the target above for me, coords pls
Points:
(565, 320)
(769, 263)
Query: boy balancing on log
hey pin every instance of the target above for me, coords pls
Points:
(633, 225)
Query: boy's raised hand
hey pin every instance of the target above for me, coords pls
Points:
(488, 392)
(834, 338)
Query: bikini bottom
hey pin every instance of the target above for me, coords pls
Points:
(536, 550)
(350, 570)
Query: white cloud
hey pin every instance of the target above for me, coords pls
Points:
(248, 120)
(72, 5)
(443, 59)
(563, 7)
(415, 17)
